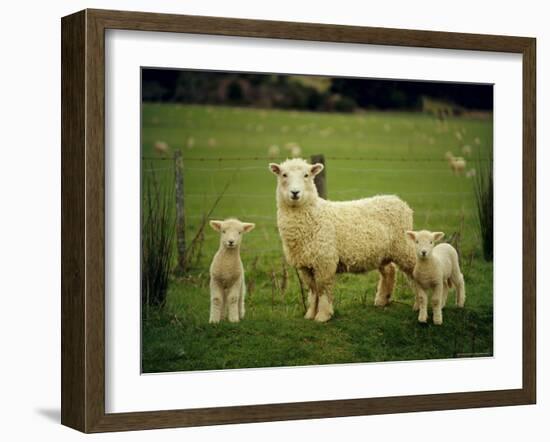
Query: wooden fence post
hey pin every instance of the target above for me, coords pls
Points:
(180, 212)
(321, 179)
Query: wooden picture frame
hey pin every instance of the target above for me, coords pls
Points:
(83, 220)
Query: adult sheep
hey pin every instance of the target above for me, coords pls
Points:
(321, 238)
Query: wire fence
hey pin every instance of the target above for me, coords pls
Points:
(328, 158)
(208, 166)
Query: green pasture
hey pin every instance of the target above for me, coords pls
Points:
(367, 154)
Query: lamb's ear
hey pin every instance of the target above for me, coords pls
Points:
(216, 225)
(247, 227)
(317, 169)
(275, 168)
(411, 234)
(438, 235)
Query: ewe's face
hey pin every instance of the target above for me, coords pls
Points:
(424, 242)
(295, 184)
(231, 231)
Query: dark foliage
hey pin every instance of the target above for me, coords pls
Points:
(284, 92)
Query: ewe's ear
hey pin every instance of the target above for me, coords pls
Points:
(411, 234)
(317, 169)
(216, 225)
(247, 227)
(275, 168)
(438, 236)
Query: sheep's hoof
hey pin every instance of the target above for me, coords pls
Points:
(416, 307)
(322, 317)
(381, 301)
(423, 319)
(438, 320)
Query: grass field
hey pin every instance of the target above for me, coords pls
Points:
(367, 154)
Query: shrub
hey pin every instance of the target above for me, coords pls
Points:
(157, 240)
(483, 186)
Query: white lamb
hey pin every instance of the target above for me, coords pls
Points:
(321, 238)
(436, 269)
(227, 286)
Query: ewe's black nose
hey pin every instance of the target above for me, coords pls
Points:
(294, 193)
(423, 253)
(230, 242)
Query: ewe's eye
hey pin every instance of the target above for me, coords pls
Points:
(417, 241)
(284, 175)
(223, 231)
(431, 242)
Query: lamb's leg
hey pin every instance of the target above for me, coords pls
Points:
(445, 294)
(216, 302)
(413, 286)
(386, 284)
(460, 290)
(422, 297)
(437, 304)
(241, 299)
(233, 295)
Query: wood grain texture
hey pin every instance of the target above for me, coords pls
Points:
(73, 255)
(83, 220)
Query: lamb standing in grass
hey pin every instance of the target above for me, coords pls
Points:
(227, 286)
(321, 238)
(436, 269)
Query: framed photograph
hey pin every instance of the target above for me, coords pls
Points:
(267, 221)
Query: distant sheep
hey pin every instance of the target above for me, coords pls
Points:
(161, 147)
(294, 149)
(466, 149)
(471, 173)
(436, 269)
(273, 151)
(321, 238)
(457, 164)
(227, 286)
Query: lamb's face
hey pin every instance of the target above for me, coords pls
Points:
(231, 231)
(424, 242)
(295, 186)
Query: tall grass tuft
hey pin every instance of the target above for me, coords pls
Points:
(157, 240)
(483, 187)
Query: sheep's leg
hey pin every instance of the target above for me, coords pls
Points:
(312, 299)
(460, 290)
(216, 302)
(422, 297)
(233, 295)
(241, 299)
(386, 284)
(445, 294)
(325, 309)
(437, 304)
(312, 302)
(417, 300)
